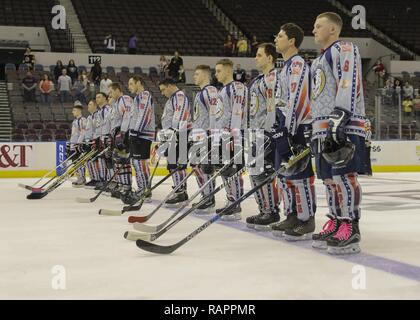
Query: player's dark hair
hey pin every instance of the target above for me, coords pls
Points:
(333, 17)
(92, 100)
(270, 50)
(293, 31)
(225, 62)
(103, 94)
(167, 82)
(138, 78)
(203, 67)
(115, 86)
(78, 107)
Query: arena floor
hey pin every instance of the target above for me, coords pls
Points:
(226, 261)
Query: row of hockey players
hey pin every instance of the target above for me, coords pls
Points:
(321, 106)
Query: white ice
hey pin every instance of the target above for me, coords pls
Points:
(223, 262)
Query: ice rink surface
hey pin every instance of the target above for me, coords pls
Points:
(226, 261)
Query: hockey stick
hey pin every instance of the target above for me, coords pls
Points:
(109, 212)
(31, 188)
(161, 229)
(41, 188)
(61, 179)
(142, 219)
(145, 192)
(93, 199)
(133, 219)
(154, 248)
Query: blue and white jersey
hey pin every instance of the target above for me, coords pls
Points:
(231, 109)
(265, 95)
(177, 114)
(295, 86)
(77, 131)
(103, 125)
(337, 82)
(205, 103)
(143, 122)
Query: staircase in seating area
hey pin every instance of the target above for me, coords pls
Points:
(5, 117)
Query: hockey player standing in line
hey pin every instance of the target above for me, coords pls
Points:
(231, 119)
(293, 121)
(204, 105)
(262, 114)
(104, 131)
(142, 134)
(90, 135)
(77, 128)
(120, 121)
(176, 121)
(338, 133)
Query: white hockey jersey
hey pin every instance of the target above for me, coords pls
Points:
(77, 131)
(337, 82)
(265, 96)
(177, 114)
(295, 93)
(231, 109)
(143, 120)
(205, 103)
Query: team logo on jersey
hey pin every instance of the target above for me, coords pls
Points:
(296, 67)
(255, 104)
(318, 83)
(196, 111)
(219, 109)
(346, 47)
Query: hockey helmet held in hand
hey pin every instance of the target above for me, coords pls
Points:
(338, 155)
(299, 165)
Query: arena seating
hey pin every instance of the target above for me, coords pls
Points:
(162, 26)
(34, 121)
(264, 17)
(35, 14)
(398, 19)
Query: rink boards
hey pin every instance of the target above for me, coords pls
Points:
(35, 159)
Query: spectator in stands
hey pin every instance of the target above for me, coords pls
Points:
(80, 88)
(58, 70)
(72, 71)
(242, 47)
(29, 58)
(407, 106)
(234, 42)
(228, 47)
(163, 67)
(416, 106)
(109, 43)
(239, 74)
(408, 91)
(96, 73)
(132, 44)
(254, 46)
(174, 65)
(380, 72)
(105, 83)
(29, 86)
(181, 77)
(46, 86)
(64, 86)
(397, 91)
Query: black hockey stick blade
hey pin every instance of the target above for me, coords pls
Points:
(154, 248)
(36, 195)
